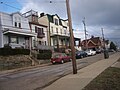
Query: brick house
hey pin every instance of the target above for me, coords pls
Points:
(92, 43)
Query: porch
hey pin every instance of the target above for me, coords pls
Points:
(18, 38)
(60, 43)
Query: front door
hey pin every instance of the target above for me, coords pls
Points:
(27, 42)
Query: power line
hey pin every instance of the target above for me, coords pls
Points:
(45, 1)
(48, 1)
(10, 5)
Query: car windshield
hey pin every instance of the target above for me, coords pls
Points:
(59, 55)
(56, 56)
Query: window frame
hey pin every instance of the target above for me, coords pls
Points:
(56, 21)
(15, 24)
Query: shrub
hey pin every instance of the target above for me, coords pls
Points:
(16, 51)
(44, 54)
(45, 51)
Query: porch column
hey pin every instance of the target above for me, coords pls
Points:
(66, 42)
(74, 42)
(1, 39)
(69, 42)
(58, 43)
(79, 43)
(30, 43)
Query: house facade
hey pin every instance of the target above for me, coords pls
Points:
(58, 30)
(92, 43)
(15, 31)
(41, 39)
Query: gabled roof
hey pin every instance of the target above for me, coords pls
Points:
(94, 40)
(17, 13)
(50, 18)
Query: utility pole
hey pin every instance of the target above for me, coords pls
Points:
(85, 33)
(103, 38)
(71, 38)
(106, 55)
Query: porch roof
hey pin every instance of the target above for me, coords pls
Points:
(18, 32)
(60, 36)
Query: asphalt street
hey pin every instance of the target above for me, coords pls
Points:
(38, 78)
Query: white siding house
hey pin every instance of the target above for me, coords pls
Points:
(15, 30)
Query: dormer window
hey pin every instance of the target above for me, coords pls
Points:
(56, 21)
(17, 22)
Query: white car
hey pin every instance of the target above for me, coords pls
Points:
(90, 52)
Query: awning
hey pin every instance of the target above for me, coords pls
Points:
(8, 31)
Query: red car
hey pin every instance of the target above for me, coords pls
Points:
(60, 58)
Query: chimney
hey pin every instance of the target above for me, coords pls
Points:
(92, 36)
(42, 14)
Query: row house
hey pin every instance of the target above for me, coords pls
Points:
(58, 30)
(15, 31)
(30, 31)
(92, 43)
(41, 30)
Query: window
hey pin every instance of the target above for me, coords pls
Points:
(13, 39)
(40, 42)
(56, 21)
(51, 29)
(36, 29)
(61, 31)
(45, 43)
(56, 30)
(15, 24)
(65, 31)
(40, 30)
(62, 41)
(19, 25)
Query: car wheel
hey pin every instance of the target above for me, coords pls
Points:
(82, 56)
(62, 61)
(86, 55)
(70, 60)
(53, 63)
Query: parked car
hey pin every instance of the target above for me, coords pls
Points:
(60, 58)
(81, 54)
(90, 52)
(98, 51)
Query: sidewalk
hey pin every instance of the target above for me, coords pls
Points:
(84, 76)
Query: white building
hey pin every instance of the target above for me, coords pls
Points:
(15, 30)
(58, 30)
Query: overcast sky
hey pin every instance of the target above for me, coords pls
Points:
(98, 13)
